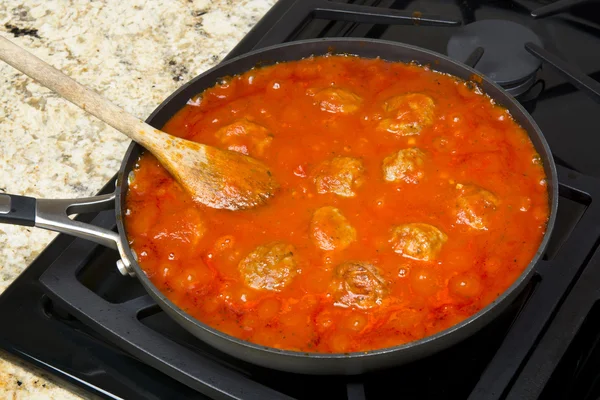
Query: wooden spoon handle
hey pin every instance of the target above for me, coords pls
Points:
(85, 98)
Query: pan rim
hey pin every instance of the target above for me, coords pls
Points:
(552, 181)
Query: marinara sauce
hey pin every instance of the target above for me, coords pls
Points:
(408, 202)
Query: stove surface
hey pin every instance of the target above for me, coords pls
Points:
(74, 315)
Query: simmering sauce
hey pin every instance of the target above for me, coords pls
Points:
(408, 202)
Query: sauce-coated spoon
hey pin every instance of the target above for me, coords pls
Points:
(214, 177)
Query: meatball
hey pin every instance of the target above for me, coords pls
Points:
(330, 230)
(340, 175)
(245, 137)
(474, 206)
(269, 267)
(335, 100)
(418, 241)
(405, 165)
(358, 284)
(407, 114)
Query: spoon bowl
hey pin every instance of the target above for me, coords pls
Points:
(213, 177)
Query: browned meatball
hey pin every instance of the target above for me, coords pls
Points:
(340, 175)
(418, 241)
(330, 230)
(269, 267)
(474, 206)
(245, 137)
(358, 284)
(405, 165)
(407, 114)
(336, 100)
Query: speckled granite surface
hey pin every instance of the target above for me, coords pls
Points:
(135, 53)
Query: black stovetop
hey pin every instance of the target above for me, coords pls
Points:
(74, 315)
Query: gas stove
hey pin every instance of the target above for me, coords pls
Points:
(74, 315)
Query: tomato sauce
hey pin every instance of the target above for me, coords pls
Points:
(408, 202)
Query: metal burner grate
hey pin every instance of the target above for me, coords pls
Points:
(137, 325)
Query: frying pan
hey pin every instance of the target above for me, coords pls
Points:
(53, 214)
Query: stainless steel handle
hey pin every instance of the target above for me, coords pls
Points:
(53, 214)
(5, 204)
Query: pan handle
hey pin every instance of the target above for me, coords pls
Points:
(53, 215)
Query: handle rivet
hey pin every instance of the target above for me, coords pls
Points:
(125, 268)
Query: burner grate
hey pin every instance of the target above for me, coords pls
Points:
(297, 13)
(504, 374)
(139, 327)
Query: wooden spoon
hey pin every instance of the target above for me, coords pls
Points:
(214, 177)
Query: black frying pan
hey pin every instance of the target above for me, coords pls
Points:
(52, 214)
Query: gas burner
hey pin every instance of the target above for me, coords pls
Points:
(505, 59)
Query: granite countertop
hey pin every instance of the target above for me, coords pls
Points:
(133, 52)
